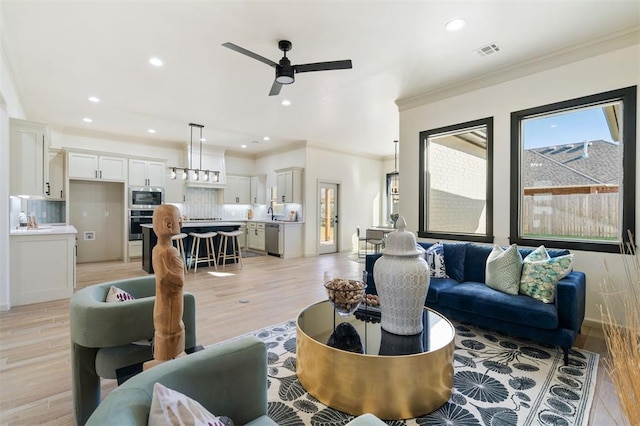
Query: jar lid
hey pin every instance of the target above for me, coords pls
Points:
(401, 242)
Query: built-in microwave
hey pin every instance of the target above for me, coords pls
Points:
(145, 197)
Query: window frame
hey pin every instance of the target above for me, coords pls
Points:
(423, 183)
(628, 98)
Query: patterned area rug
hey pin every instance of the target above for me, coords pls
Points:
(498, 380)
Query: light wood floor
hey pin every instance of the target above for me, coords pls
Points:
(35, 371)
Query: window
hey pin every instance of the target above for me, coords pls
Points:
(573, 172)
(456, 183)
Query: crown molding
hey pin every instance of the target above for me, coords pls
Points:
(594, 47)
(95, 134)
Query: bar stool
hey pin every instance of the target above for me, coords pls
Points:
(236, 250)
(195, 249)
(178, 239)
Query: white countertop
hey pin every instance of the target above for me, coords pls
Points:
(274, 221)
(45, 230)
(200, 223)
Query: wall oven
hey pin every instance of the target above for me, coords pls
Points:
(145, 197)
(137, 218)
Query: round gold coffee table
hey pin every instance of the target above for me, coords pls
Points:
(397, 377)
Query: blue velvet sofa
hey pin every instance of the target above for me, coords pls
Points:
(465, 297)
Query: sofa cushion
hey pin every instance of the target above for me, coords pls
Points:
(434, 256)
(503, 269)
(479, 299)
(551, 252)
(436, 285)
(454, 255)
(475, 261)
(541, 273)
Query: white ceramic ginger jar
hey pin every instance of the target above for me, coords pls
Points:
(402, 281)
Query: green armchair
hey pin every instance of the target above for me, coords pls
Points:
(228, 380)
(101, 336)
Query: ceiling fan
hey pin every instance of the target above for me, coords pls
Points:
(285, 72)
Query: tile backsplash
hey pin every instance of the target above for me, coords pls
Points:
(206, 203)
(47, 211)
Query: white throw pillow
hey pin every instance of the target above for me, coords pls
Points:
(503, 269)
(171, 408)
(118, 295)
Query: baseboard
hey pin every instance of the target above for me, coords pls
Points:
(5, 307)
(592, 323)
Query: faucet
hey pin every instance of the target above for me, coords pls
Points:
(270, 210)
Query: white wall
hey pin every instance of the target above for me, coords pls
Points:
(10, 106)
(361, 194)
(613, 70)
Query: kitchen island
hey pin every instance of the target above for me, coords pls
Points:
(149, 238)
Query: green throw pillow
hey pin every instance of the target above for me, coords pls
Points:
(503, 269)
(541, 273)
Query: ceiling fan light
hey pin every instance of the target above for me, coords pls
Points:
(284, 79)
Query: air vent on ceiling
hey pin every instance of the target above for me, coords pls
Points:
(489, 49)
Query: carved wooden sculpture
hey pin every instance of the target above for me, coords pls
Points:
(169, 271)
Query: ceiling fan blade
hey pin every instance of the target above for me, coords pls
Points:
(275, 89)
(249, 54)
(324, 66)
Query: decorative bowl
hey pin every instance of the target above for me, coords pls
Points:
(345, 295)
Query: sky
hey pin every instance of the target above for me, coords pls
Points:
(571, 127)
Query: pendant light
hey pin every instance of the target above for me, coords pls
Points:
(191, 173)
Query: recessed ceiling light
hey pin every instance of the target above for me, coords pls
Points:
(87, 120)
(266, 138)
(203, 139)
(94, 99)
(156, 62)
(455, 24)
(286, 102)
(243, 146)
(151, 130)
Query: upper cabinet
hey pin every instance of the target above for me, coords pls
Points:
(146, 173)
(237, 190)
(91, 166)
(258, 187)
(55, 186)
(289, 185)
(29, 158)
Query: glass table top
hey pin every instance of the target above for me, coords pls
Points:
(322, 324)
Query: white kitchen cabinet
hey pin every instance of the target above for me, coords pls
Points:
(258, 189)
(90, 166)
(289, 185)
(146, 173)
(175, 190)
(291, 240)
(237, 190)
(255, 236)
(29, 158)
(32, 253)
(55, 186)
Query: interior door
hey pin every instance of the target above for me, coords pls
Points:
(328, 218)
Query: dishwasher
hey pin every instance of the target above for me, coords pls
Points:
(271, 238)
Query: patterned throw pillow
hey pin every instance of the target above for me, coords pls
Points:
(503, 269)
(118, 295)
(435, 259)
(541, 273)
(169, 407)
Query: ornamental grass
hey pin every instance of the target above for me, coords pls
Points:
(621, 325)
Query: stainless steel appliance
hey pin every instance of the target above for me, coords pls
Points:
(271, 238)
(145, 197)
(137, 218)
